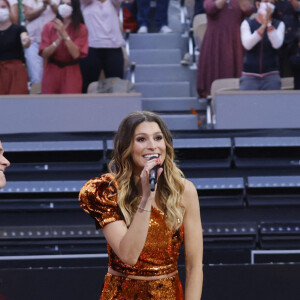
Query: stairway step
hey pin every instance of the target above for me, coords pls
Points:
(154, 56)
(160, 73)
(158, 41)
(163, 89)
(181, 121)
(170, 104)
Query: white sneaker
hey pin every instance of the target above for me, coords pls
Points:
(143, 29)
(186, 59)
(165, 29)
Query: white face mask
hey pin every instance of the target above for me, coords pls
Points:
(262, 10)
(4, 14)
(65, 10)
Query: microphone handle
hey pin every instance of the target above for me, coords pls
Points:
(153, 178)
(152, 185)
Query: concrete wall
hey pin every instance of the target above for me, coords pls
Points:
(257, 109)
(65, 113)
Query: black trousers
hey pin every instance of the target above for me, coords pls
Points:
(110, 60)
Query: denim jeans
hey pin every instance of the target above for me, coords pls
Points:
(161, 13)
(271, 82)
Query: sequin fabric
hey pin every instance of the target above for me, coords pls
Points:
(98, 197)
(122, 288)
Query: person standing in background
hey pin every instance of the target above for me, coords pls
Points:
(161, 16)
(64, 41)
(262, 37)
(13, 38)
(221, 53)
(37, 14)
(105, 41)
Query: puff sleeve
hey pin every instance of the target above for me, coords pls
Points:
(98, 197)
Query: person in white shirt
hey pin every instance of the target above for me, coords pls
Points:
(261, 38)
(37, 14)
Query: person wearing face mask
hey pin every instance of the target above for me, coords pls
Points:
(4, 163)
(13, 38)
(64, 41)
(37, 13)
(261, 38)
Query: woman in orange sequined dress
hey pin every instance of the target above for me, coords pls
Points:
(144, 230)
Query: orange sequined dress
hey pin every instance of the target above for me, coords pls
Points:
(98, 197)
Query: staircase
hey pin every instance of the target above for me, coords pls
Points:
(167, 87)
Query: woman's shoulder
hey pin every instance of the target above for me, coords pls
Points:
(99, 183)
(188, 185)
(98, 197)
(189, 192)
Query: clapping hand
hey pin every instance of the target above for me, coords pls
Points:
(45, 3)
(60, 28)
(267, 17)
(25, 39)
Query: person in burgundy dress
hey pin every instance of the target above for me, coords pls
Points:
(221, 51)
(64, 41)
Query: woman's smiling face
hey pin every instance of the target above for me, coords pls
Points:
(148, 141)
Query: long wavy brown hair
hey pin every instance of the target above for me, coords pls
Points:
(170, 185)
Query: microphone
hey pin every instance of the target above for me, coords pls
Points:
(153, 175)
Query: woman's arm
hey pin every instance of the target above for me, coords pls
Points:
(249, 39)
(53, 5)
(128, 243)
(31, 14)
(276, 36)
(193, 243)
(25, 40)
(14, 13)
(61, 31)
(246, 7)
(48, 51)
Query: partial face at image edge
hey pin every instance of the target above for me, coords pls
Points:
(4, 163)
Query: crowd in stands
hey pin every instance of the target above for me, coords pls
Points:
(67, 44)
(256, 42)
